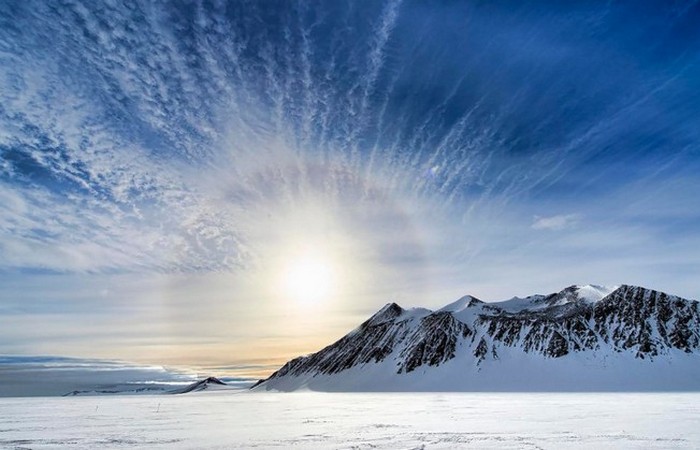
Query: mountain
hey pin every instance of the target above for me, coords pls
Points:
(210, 383)
(583, 338)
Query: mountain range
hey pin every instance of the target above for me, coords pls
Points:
(583, 338)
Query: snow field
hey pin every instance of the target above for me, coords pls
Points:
(226, 420)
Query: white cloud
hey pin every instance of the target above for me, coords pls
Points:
(556, 223)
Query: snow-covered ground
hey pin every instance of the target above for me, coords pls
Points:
(226, 420)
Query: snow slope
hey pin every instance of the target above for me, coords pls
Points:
(583, 338)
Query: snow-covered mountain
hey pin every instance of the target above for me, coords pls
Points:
(209, 383)
(582, 338)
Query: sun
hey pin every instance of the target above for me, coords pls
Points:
(308, 279)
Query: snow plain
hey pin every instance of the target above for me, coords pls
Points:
(226, 420)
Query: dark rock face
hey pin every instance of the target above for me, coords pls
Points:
(642, 322)
(630, 318)
(433, 342)
(481, 350)
(557, 346)
(649, 321)
(372, 341)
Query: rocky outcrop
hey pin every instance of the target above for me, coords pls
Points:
(201, 385)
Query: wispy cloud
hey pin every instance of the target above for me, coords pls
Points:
(157, 145)
(558, 222)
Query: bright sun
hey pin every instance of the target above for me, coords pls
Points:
(308, 280)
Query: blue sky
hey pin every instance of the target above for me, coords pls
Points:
(162, 163)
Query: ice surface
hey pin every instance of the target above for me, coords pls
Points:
(321, 421)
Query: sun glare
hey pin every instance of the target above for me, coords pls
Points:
(308, 280)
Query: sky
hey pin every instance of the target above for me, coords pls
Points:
(227, 185)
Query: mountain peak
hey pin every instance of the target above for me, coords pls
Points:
(593, 292)
(200, 385)
(460, 304)
(387, 312)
